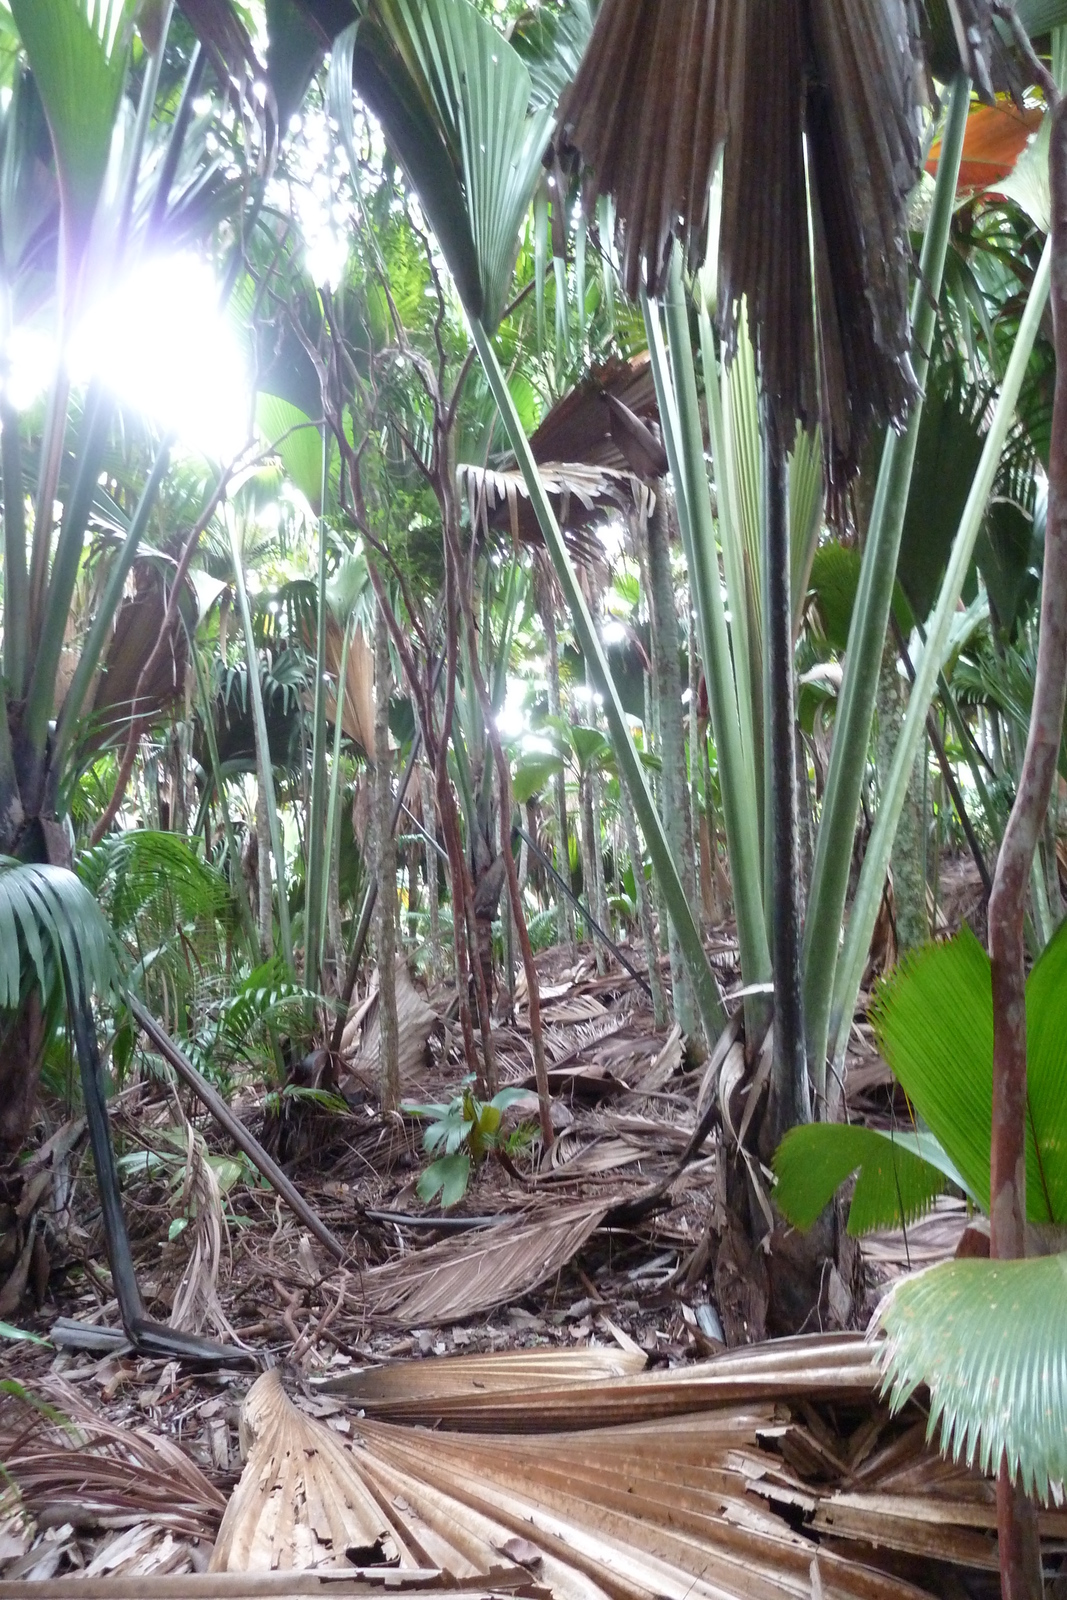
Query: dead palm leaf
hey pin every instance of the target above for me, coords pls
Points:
(813, 105)
(456, 1279)
(81, 1467)
(748, 1494)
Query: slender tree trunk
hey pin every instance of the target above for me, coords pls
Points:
(1020, 1554)
(559, 784)
(263, 875)
(644, 909)
(429, 823)
(674, 788)
(385, 861)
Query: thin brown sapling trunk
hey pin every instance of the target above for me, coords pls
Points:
(1019, 1547)
(385, 860)
(503, 773)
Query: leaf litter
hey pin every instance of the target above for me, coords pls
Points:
(528, 1394)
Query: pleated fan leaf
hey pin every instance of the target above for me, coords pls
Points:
(806, 100)
(986, 1338)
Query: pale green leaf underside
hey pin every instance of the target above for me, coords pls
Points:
(987, 1339)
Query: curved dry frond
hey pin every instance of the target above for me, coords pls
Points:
(581, 494)
(986, 1338)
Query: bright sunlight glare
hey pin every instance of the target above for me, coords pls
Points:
(160, 342)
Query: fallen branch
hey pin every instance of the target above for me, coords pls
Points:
(245, 1141)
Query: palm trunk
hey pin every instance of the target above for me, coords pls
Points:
(385, 862)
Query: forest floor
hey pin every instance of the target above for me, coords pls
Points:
(619, 1246)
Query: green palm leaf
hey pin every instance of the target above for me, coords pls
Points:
(442, 79)
(934, 1021)
(900, 1174)
(77, 50)
(49, 919)
(986, 1338)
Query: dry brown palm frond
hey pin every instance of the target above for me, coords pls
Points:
(806, 100)
(410, 1391)
(71, 1463)
(358, 705)
(196, 1299)
(582, 495)
(456, 1279)
(416, 1020)
(747, 1494)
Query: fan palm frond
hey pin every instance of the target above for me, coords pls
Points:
(986, 1338)
(48, 921)
(900, 1175)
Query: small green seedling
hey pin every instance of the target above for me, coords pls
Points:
(464, 1131)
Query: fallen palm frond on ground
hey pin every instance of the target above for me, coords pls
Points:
(778, 1472)
(766, 1472)
(459, 1278)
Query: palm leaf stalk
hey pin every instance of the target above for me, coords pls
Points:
(864, 913)
(679, 411)
(866, 641)
(708, 999)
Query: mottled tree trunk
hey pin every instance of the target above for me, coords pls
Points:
(909, 881)
(385, 861)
